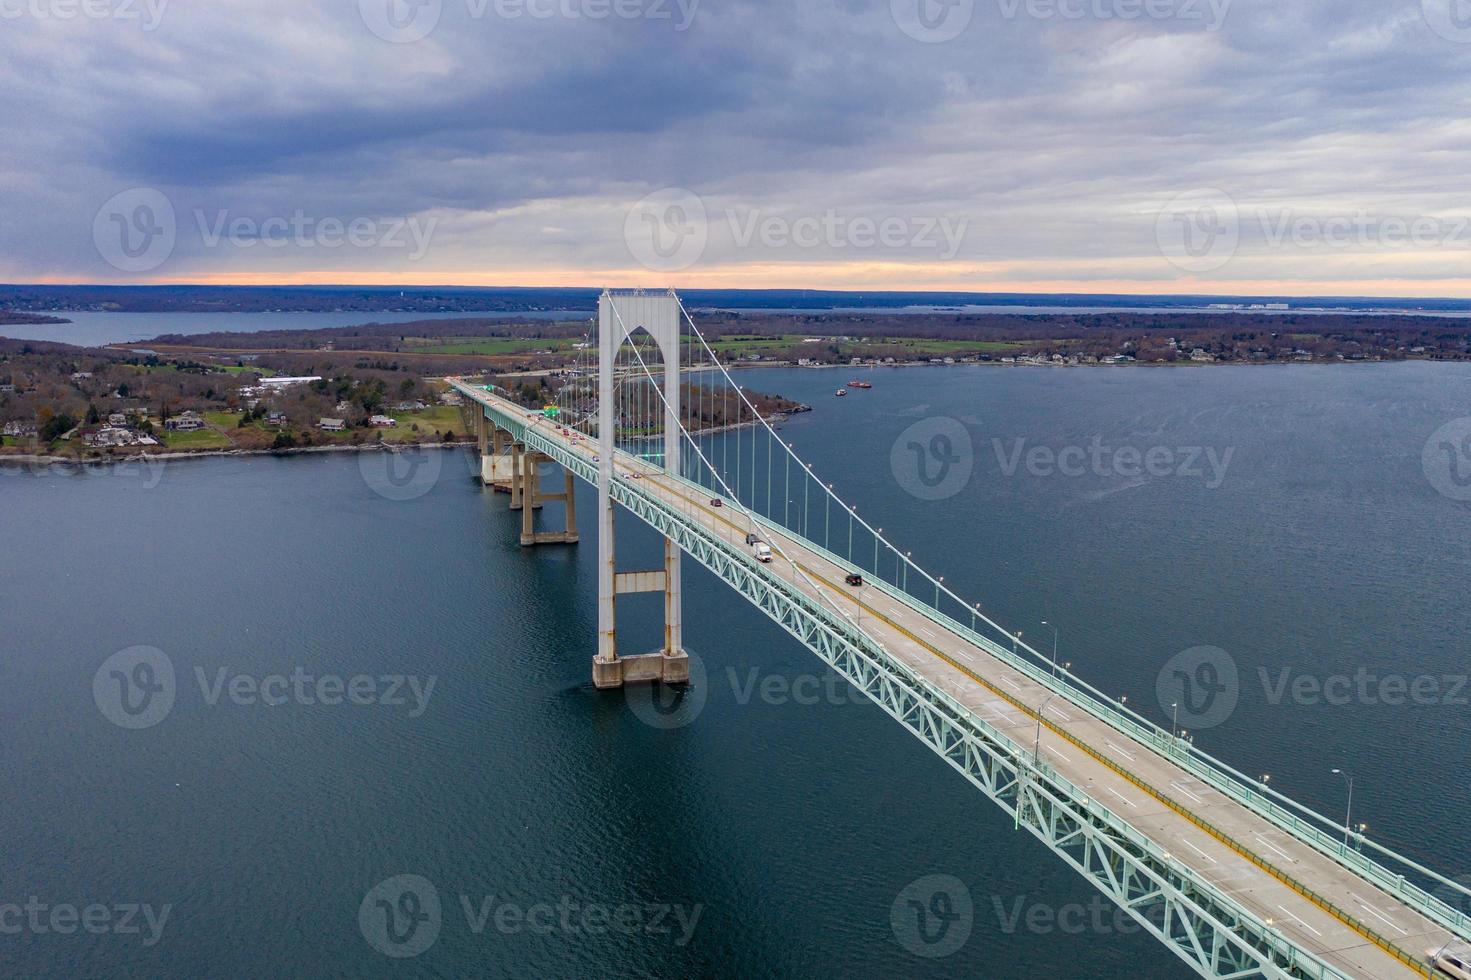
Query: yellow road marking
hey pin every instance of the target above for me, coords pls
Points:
(1321, 902)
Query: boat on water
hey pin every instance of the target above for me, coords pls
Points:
(860, 384)
(842, 392)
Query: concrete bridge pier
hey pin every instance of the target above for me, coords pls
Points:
(495, 464)
(532, 499)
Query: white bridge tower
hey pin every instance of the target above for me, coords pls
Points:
(621, 314)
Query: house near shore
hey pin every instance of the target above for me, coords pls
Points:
(331, 425)
(19, 430)
(382, 422)
(185, 422)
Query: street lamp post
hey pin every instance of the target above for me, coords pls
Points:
(1348, 815)
(1054, 646)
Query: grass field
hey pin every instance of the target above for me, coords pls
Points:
(491, 345)
(239, 369)
(441, 418)
(198, 439)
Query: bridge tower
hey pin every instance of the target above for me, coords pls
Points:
(621, 313)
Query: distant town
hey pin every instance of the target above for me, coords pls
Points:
(378, 384)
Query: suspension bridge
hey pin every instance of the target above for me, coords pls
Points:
(1234, 877)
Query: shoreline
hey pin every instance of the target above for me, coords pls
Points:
(33, 459)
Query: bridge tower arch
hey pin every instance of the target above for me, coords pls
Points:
(622, 313)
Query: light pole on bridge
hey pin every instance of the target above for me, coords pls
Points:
(1053, 627)
(1348, 815)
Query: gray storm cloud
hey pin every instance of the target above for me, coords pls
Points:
(521, 132)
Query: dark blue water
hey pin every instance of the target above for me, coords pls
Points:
(784, 821)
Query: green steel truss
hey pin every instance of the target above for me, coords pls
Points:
(1207, 930)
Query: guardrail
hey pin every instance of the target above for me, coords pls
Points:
(1215, 773)
(1222, 777)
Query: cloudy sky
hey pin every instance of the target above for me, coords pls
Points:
(1239, 146)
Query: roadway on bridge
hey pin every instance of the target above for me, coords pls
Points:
(1353, 924)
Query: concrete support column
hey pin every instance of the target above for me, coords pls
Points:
(528, 498)
(517, 451)
(569, 489)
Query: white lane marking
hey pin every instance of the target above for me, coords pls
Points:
(964, 656)
(1371, 911)
(1119, 795)
(1302, 923)
(1011, 684)
(1201, 853)
(1119, 750)
(927, 633)
(1269, 844)
(1187, 792)
(1061, 714)
(1059, 754)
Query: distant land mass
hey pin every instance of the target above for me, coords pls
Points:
(12, 316)
(512, 300)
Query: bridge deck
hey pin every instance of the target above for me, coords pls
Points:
(1352, 924)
